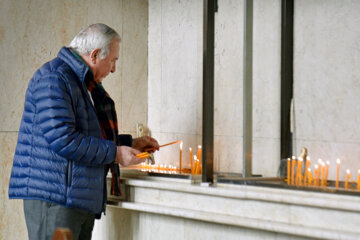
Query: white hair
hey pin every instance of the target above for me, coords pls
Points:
(95, 36)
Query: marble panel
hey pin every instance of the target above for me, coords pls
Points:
(204, 230)
(12, 220)
(228, 68)
(153, 226)
(326, 86)
(179, 66)
(325, 218)
(228, 154)
(154, 65)
(134, 86)
(266, 69)
(107, 228)
(227, 206)
(160, 227)
(266, 156)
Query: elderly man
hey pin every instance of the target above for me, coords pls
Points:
(68, 138)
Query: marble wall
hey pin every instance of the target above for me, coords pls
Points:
(31, 33)
(175, 81)
(326, 50)
(326, 82)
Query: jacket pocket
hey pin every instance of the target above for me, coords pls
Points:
(69, 174)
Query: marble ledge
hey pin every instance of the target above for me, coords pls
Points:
(281, 196)
(293, 212)
(311, 232)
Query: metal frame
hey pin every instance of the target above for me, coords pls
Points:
(287, 79)
(247, 89)
(287, 35)
(210, 7)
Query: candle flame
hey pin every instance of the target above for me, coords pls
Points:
(293, 157)
(181, 144)
(348, 171)
(319, 161)
(316, 166)
(338, 161)
(309, 169)
(199, 146)
(190, 149)
(327, 162)
(308, 158)
(300, 159)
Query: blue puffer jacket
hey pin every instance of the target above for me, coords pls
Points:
(60, 154)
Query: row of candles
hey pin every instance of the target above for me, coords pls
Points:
(297, 177)
(195, 162)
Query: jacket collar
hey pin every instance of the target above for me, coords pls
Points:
(80, 68)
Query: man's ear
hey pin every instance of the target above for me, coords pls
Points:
(94, 55)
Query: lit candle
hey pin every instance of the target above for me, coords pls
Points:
(316, 180)
(309, 177)
(181, 144)
(199, 153)
(299, 171)
(326, 172)
(307, 164)
(195, 165)
(322, 174)
(337, 172)
(288, 170)
(191, 162)
(199, 159)
(293, 161)
(358, 181)
(347, 179)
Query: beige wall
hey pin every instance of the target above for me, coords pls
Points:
(31, 33)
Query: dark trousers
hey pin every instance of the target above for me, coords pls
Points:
(42, 219)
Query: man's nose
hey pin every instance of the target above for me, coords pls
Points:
(113, 69)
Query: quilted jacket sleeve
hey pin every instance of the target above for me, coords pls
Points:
(56, 120)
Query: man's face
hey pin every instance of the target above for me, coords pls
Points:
(103, 67)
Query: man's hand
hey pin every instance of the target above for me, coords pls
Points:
(126, 156)
(143, 143)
